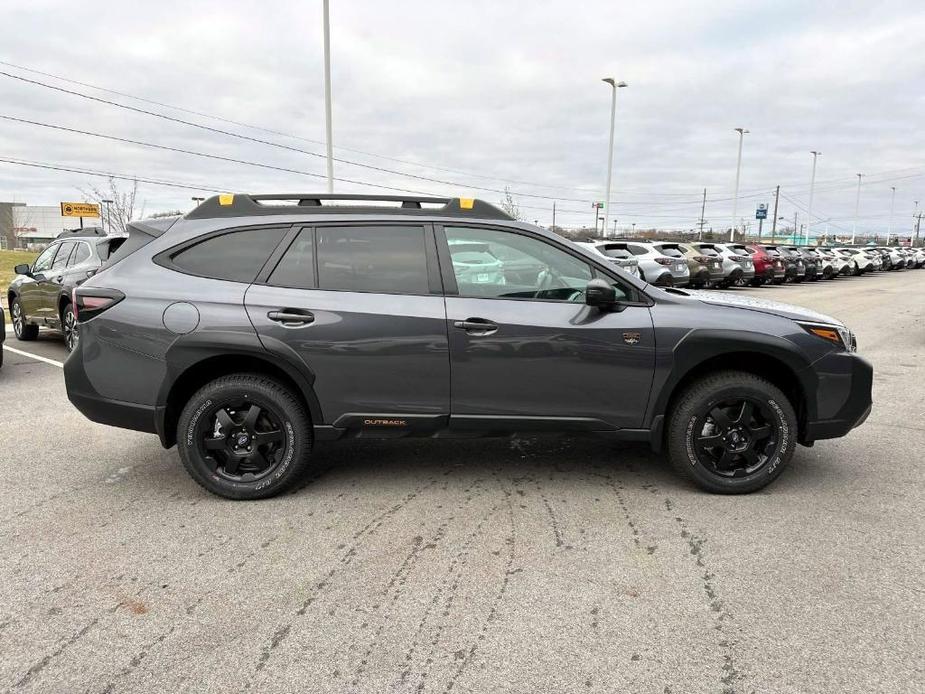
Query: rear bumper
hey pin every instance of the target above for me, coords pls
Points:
(843, 396)
(95, 407)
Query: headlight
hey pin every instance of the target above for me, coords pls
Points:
(836, 334)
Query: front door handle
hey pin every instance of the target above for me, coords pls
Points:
(476, 326)
(291, 317)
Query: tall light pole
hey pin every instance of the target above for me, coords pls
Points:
(196, 200)
(735, 197)
(857, 208)
(812, 187)
(329, 129)
(614, 85)
(889, 230)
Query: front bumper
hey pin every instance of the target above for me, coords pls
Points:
(842, 398)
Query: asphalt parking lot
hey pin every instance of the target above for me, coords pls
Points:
(522, 565)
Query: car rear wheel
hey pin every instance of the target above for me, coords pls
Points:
(69, 328)
(731, 432)
(23, 330)
(244, 436)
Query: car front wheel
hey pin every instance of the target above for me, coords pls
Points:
(731, 432)
(244, 436)
(23, 330)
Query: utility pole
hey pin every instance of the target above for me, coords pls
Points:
(774, 221)
(703, 208)
(329, 128)
(918, 224)
(553, 215)
(795, 225)
(914, 215)
(615, 227)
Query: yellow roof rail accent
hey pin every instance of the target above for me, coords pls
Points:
(226, 199)
(466, 203)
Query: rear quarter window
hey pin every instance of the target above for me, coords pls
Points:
(236, 256)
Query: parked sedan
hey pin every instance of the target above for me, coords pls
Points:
(660, 263)
(40, 296)
(616, 253)
(705, 264)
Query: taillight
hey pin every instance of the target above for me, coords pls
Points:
(664, 261)
(90, 302)
(740, 258)
(702, 258)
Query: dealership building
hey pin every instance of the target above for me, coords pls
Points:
(34, 226)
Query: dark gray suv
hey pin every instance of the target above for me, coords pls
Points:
(40, 296)
(257, 324)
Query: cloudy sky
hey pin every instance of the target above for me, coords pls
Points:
(467, 98)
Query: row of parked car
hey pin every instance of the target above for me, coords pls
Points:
(701, 265)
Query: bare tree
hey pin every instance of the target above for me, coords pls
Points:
(508, 204)
(118, 213)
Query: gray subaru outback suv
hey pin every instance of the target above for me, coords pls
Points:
(258, 324)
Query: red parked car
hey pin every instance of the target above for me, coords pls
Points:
(769, 266)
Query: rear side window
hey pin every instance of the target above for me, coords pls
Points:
(80, 255)
(63, 253)
(670, 251)
(382, 259)
(297, 266)
(236, 256)
(107, 248)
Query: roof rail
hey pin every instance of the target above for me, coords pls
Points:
(244, 205)
(84, 231)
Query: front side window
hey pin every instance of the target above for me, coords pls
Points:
(379, 259)
(490, 264)
(43, 262)
(236, 256)
(62, 256)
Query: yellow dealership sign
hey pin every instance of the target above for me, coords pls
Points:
(80, 209)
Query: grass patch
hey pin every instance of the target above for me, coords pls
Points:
(8, 260)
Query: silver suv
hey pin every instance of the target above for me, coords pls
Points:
(660, 263)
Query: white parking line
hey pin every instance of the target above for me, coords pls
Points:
(46, 360)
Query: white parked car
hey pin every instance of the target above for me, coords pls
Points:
(616, 253)
(861, 261)
(659, 263)
(737, 263)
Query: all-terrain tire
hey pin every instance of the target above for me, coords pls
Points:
(282, 414)
(705, 394)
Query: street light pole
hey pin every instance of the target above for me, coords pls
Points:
(812, 188)
(889, 231)
(857, 208)
(735, 198)
(329, 135)
(614, 85)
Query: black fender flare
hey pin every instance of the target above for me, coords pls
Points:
(701, 345)
(194, 348)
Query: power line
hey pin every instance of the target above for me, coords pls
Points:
(181, 150)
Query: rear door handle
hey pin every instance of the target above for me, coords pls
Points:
(291, 317)
(476, 326)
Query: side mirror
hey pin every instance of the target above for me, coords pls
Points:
(22, 269)
(601, 294)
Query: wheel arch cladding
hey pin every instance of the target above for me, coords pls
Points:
(774, 358)
(195, 362)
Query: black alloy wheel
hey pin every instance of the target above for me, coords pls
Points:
(736, 437)
(245, 436)
(731, 432)
(244, 441)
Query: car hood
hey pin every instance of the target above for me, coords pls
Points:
(775, 308)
